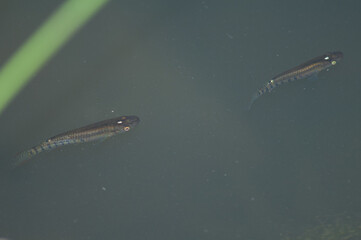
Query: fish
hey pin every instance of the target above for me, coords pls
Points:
(308, 69)
(94, 132)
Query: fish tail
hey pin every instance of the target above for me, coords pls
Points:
(267, 88)
(253, 99)
(25, 156)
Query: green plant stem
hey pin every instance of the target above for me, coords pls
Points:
(43, 44)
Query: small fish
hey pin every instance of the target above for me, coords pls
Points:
(305, 70)
(93, 132)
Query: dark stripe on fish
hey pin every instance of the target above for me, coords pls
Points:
(305, 70)
(93, 132)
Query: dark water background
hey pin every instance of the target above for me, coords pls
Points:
(197, 166)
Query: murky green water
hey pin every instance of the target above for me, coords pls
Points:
(197, 166)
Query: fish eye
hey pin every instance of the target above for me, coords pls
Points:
(333, 62)
(126, 129)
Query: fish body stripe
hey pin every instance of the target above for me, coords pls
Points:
(92, 132)
(305, 70)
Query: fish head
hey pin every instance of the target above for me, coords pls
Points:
(333, 57)
(125, 123)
